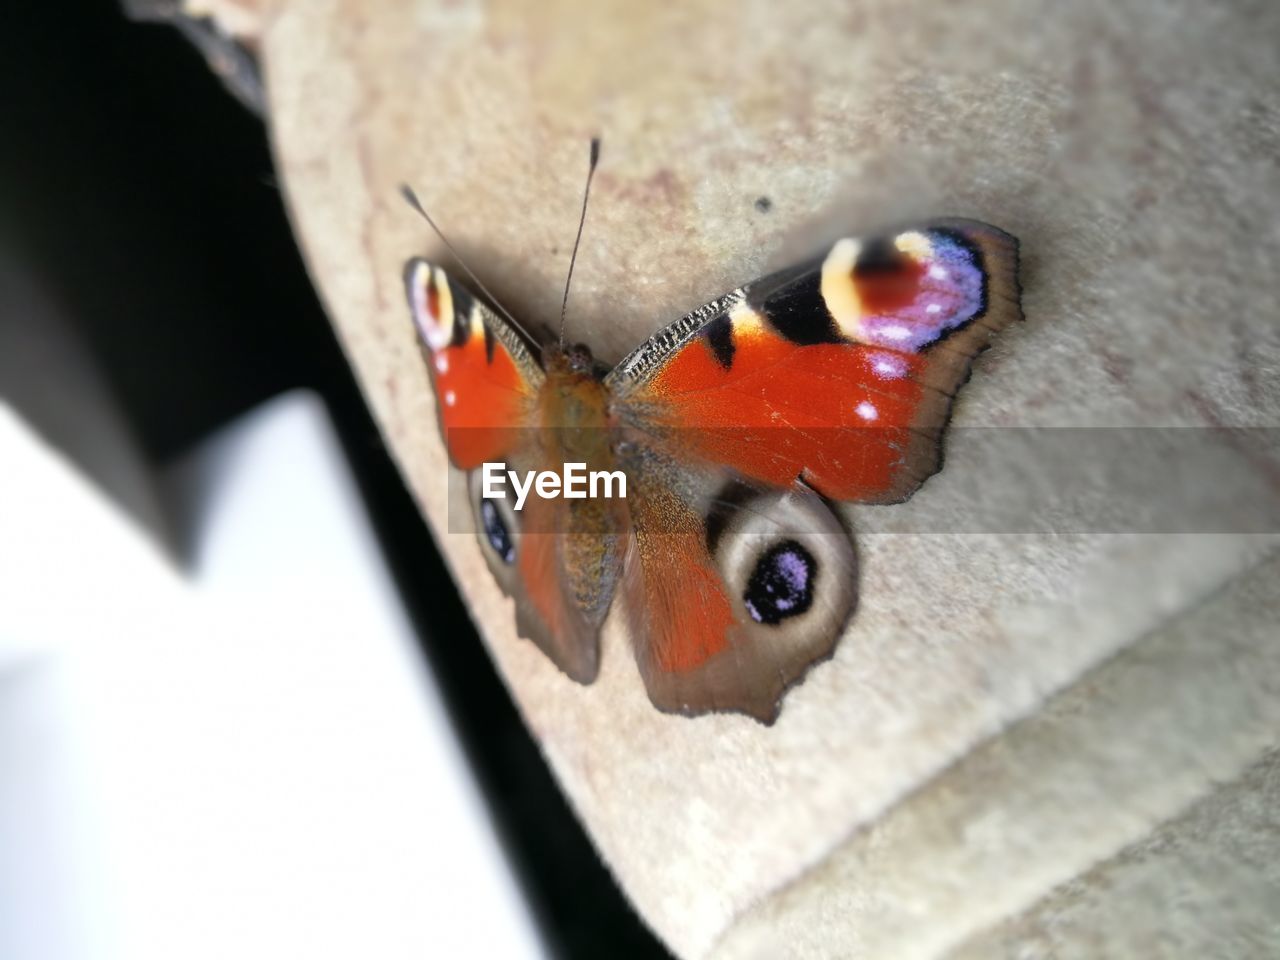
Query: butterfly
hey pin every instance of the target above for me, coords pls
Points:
(735, 427)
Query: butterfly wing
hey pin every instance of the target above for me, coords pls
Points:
(732, 590)
(483, 371)
(841, 372)
(557, 559)
(836, 377)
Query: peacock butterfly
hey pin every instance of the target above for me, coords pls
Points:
(736, 426)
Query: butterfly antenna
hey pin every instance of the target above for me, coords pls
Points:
(586, 194)
(412, 199)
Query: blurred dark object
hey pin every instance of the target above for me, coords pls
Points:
(230, 60)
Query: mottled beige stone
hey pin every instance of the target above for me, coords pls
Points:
(1093, 772)
(1206, 884)
(931, 781)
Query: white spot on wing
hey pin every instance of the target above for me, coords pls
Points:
(450, 398)
(867, 410)
(889, 366)
(938, 273)
(442, 363)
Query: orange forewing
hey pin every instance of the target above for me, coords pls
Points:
(821, 412)
(482, 393)
(841, 375)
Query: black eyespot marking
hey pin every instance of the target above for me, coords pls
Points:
(764, 204)
(489, 344)
(719, 334)
(495, 530)
(781, 585)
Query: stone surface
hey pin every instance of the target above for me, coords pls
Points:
(986, 731)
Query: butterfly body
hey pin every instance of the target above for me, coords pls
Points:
(573, 404)
(734, 428)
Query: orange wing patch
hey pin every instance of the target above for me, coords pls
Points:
(840, 415)
(484, 379)
(684, 602)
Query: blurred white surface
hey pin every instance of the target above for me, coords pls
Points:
(245, 761)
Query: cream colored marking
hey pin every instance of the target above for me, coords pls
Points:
(914, 244)
(746, 321)
(838, 290)
(477, 320)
